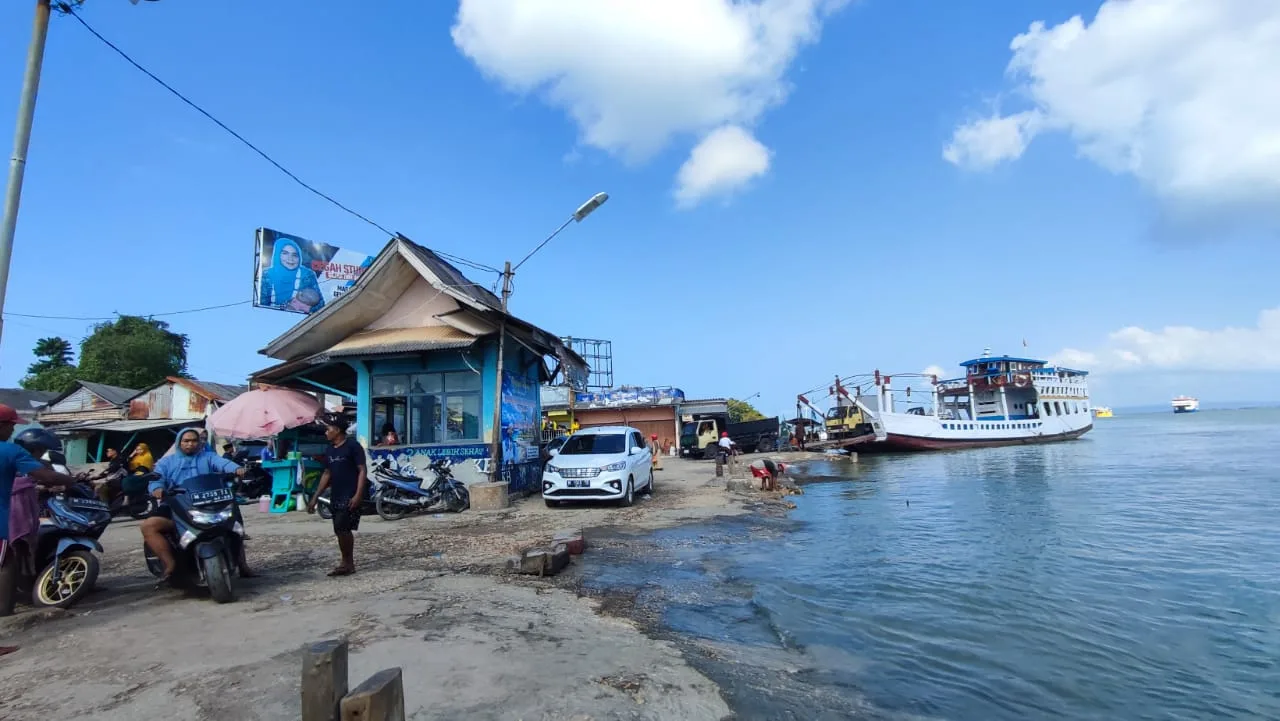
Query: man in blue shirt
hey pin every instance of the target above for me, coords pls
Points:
(193, 458)
(15, 460)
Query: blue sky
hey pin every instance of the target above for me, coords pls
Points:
(799, 187)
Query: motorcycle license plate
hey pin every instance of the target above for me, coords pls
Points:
(87, 504)
(579, 484)
(217, 495)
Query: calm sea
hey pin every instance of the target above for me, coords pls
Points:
(1134, 574)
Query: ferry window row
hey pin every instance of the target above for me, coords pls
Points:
(1064, 408)
(988, 425)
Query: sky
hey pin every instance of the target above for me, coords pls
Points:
(799, 188)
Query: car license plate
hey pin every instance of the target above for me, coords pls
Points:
(217, 495)
(580, 484)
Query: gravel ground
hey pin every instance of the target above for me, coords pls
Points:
(430, 596)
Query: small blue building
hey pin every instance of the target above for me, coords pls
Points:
(414, 344)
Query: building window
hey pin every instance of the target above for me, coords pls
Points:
(426, 408)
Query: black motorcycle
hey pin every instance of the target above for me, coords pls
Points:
(206, 538)
(62, 568)
(367, 505)
(255, 483)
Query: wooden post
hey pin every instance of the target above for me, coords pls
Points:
(379, 698)
(324, 680)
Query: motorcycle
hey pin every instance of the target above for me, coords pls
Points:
(255, 484)
(128, 495)
(400, 494)
(206, 538)
(367, 506)
(61, 567)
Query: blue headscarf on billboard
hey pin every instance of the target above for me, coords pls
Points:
(287, 277)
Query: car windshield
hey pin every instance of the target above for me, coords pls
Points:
(592, 444)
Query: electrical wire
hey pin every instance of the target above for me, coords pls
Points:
(66, 8)
(113, 317)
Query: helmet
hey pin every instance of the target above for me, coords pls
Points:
(724, 434)
(38, 440)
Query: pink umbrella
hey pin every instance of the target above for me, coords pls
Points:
(263, 412)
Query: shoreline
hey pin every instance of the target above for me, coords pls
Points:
(431, 596)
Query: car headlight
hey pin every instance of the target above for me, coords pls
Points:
(553, 469)
(615, 466)
(210, 518)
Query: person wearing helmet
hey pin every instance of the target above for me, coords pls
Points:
(16, 460)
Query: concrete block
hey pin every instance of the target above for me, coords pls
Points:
(488, 496)
(572, 538)
(557, 559)
(324, 680)
(740, 485)
(379, 698)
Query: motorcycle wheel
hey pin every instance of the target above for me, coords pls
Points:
(457, 500)
(388, 511)
(323, 507)
(78, 571)
(218, 575)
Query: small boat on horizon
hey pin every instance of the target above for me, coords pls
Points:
(1186, 404)
(1102, 412)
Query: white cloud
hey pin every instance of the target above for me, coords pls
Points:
(633, 74)
(935, 370)
(990, 141)
(1178, 93)
(724, 161)
(1183, 348)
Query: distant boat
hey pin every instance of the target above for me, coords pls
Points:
(1102, 412)
(1185, 404)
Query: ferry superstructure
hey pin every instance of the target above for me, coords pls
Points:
(1186, 404)
(1000, 401)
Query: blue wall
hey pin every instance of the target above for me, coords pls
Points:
(482, 357)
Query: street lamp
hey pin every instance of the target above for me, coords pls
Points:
(21, 140)
(495, 448)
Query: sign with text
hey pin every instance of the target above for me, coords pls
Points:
(299, 275)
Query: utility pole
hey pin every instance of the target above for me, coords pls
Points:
(495, 447)
(495, 450)
(21, 139)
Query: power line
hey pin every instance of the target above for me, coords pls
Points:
(113, 317)
(66, 9)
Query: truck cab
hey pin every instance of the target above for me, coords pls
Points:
(844, 421)
(699, 434)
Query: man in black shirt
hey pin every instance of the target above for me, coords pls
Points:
(345, 476)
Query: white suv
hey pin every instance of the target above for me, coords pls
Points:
(597, 464)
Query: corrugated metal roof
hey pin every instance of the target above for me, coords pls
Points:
(400, 340)
(213, 391)
(22, 400)
(120, 426)
(111, 394)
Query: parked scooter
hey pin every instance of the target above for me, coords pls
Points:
(367, 506)
(62, 568)
(255, 483)
(206, 538)
(128, 495)
(401, 494)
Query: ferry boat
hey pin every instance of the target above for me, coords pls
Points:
(1001, 401)
(1102, 412)
(1186, 404)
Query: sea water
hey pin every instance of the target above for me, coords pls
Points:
(1133, 574)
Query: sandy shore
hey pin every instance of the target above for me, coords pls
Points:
(430, 596)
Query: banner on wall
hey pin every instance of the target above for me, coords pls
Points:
(520, 435)
(630, 396)
(299, 275)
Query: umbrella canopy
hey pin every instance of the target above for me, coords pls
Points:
(264, 412)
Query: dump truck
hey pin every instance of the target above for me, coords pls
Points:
(700, 432)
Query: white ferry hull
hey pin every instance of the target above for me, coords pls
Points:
(907, 432)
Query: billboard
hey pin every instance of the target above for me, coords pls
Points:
(519, 419)
(299, 275)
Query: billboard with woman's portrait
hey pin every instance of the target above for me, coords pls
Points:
(300, 275)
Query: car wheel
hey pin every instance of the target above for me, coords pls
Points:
(629, 497)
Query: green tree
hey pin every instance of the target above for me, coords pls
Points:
(53, 370)
(740, 411)
(133, 352)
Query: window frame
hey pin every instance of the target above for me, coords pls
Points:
(420, 386)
